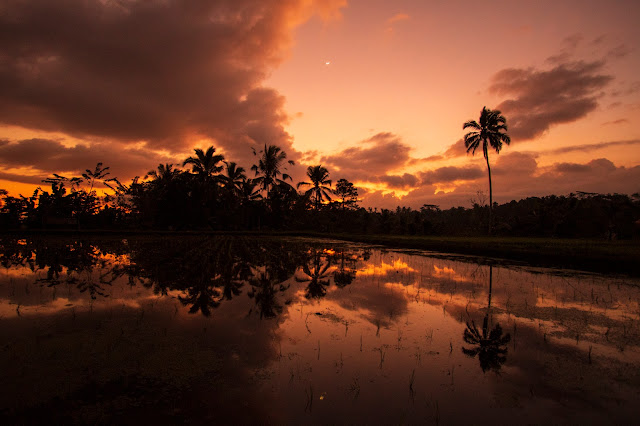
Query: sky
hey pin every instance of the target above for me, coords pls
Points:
(376, 91)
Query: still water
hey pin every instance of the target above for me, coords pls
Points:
(239, 330)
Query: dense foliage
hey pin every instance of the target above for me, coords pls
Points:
(218, 195)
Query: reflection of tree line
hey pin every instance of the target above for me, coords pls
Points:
(490, 343)
(205, 271)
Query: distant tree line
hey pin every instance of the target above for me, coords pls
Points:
(214, 194)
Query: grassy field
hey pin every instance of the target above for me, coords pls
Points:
(591, 255)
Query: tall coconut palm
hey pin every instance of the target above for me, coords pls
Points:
(205, 164)
(490, 132)
(269, 168)
(319, 176)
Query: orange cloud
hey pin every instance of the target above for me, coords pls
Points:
(543, 99)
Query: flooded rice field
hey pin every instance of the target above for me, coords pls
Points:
(238, 330)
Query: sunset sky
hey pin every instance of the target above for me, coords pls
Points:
(374, 90)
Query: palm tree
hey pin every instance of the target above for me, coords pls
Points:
(489, 132)
(268, 170)
(98, 174)
(205, 164)
(233, 180)
(319, 177)
(248, 191)
(164, 172)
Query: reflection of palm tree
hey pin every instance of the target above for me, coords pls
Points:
(344, 276)
(201, 298)
(489, 132)
(489, 346)
(317, 276)
(319, 176)
(264, 289)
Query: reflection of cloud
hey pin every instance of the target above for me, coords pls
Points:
(544, 98)
(450, 273)
(384, 268)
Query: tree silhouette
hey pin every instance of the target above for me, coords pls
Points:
(205, 164)
(347, 193)
(164, 172)
(316, 274)
(268, 171)
(233, 179)
(490, 133)
(319, 177)
(344, 275)
(489, 346)
(99, 173)
(249, 191)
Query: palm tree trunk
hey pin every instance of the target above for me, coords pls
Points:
(486, 156)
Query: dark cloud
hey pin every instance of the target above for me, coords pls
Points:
(160, 71)
(404, 181)
(573, 40)
(517, 178)
(523, 164)
(372, 157)
(572, 168)
(599, 39)
(590, 147)
(559, 58)
(13, 177)
(618, 121)
(542, 99)
(619, 51)
(600, 165)
(456, 150)
(450, 174)
(46, 157)
(627, 89)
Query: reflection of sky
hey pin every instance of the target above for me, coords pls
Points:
(402, 316)
(385, 268)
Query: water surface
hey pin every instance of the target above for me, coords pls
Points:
(245, 330)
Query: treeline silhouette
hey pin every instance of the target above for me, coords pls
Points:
(213, 194)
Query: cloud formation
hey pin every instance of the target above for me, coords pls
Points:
(543, 98)
(381, 153)
(45, 157)
(165, 72)
(450, 174)
(590, 147)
